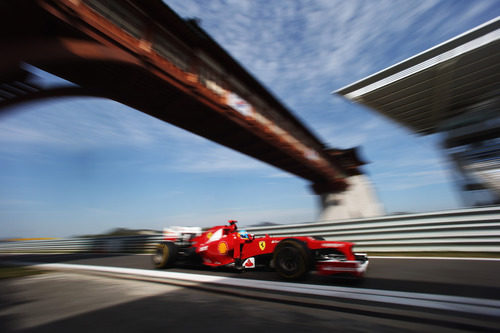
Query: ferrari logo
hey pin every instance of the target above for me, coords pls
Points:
(262, 245)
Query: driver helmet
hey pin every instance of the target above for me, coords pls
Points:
(243, 234)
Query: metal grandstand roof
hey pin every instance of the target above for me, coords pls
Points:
(438, 84)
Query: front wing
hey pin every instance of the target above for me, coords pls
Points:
(333, 266)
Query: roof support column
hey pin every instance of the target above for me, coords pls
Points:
(358, 201)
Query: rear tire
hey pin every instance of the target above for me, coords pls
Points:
(292, 259)
(164, 255)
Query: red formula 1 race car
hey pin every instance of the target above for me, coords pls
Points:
(291, 257)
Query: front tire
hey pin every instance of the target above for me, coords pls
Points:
(164, 255)
(292, 259)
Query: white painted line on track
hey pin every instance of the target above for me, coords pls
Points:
(470, 305)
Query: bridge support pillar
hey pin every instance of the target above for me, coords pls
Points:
(358, 201)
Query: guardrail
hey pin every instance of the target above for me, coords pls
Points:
(470, 230)
(125, 244)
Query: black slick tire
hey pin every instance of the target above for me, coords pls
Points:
(164, 255)
(292, 259)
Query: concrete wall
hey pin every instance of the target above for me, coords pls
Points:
(360, 200)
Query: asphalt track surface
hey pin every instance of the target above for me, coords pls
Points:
(65, 301)
(457, 277)
(68, 302)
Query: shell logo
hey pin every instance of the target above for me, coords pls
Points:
(262, 245)
(222, 247)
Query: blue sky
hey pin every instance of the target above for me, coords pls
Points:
(86, 165)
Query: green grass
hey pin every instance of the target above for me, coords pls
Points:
(8, 272)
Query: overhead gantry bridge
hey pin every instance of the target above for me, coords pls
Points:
(142, 54)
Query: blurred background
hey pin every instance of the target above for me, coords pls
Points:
(375, 123)
(77, 166)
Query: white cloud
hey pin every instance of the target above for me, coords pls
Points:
(398, 177)
(86, 123)
(280, 175)
(212, 158)
(90, 124)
